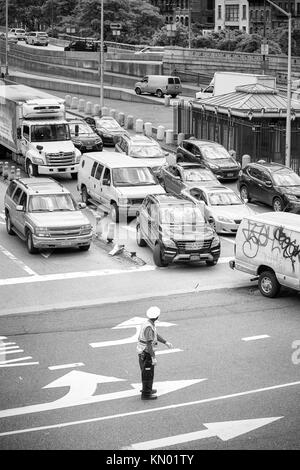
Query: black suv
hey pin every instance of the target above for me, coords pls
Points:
(271, 183)
(83, 45)
(175, 229)
(213, 155)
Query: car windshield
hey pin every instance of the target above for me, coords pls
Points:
(50, 132)
(214, 152)
(42, 35)
(51, 203)
(20, 31)
(284, 178)
(224, 199)
(146, 151)
(133, 177)
(82, 129)
(183, 214)
(109, 124)
(197, 174)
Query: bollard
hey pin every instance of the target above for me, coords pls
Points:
(180, 137)
(12, 173)
(1, 168)
(18, 173)
(139, 125)
(160, 133)
(68, 99)
(5, 170)
(121, 119)
(88, 107)
(129, 122)
(169, 136)
(148, 129)
(104, 111)
(74, 103)
(245, 160)
(167, 100)
(112, 113)
(81, 104)
(111, 232)
(96, 109)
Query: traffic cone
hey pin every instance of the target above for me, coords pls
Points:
(18, 173)
(5, 170)
(12, 173)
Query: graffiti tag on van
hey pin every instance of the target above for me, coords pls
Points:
(290, 249)
(256, 235)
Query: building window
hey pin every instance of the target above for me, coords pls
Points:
(244, 12)
(219, 12)
(298, 8)
(231, 12)
(186, 21)
(210, 4)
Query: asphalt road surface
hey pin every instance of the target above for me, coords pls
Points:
(230, 382)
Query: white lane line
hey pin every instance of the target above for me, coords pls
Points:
(168, 351)
(18, 365)
(253, 338)
(6, 344)
(8, 347)
(66, 366)
(3, 337)
(17, 261)
(15, 360)
(74, 275)
(151, 410)
(4, 353)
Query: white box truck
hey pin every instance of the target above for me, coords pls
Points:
(268, 247)
(34, 129)
(226, 82)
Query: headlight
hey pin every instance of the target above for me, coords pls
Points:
(37, 161)
(238, 165)
(77, 142)
(291, 197)
(225, 219)
(42, 232)
(169, 243)
(85, 229)
(123, 200)
(213, 166)
(106, 135)
(215, 242)
(98, 141)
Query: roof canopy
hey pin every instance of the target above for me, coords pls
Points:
(250, 101)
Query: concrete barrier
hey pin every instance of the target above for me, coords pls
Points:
(74, 102)
(169, 136)
(148, 129)
(96, 110)
(68, 99)
(81, 105)
(160, 133)
(104, 111)
(88, 107)
(121, 119)
(129, 121)
(167, 100)
(112, 113)
(180, 137)
(245, 160)
(139, 126)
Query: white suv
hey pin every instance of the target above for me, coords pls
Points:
(18, 32)
(37, 38)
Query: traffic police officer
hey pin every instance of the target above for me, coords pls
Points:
(147, 343)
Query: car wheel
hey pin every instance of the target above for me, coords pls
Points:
(173, 96)
(31, 169)
(157, 258)
(140, 241)
(268, 284)
(277, 204)
(138, 91)
(29, 241)
(244, 193)
(114, 212)
(159, 93)
(74, 176)
(9, 225)
(84, 247)
(211, 263)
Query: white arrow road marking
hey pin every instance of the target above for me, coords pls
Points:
(82, 387)
(66, 366)
(20, 365)
(134, 322)
(224, 430)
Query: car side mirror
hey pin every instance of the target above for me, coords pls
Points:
(39, 148)
(268, 184)
(81, 205)
(167, 154)
(106, 182)
(137, 213)
(20, 208)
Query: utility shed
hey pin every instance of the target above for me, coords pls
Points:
(251, 120)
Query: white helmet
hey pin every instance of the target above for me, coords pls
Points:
(153, 312)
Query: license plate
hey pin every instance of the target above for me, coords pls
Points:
(195, 258)
(229, 174)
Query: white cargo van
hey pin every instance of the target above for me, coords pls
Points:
(268, 246)
(159, 85)
(118, 182)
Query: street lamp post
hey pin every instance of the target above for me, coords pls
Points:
(6, 38)
(289, 85)
(102, 58)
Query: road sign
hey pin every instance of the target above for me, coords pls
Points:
(115, 26)
(264, 49)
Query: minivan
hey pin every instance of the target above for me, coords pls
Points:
(268, 246)
(117, 182)
(159, 85)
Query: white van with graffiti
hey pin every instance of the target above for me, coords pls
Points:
(268, 246)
